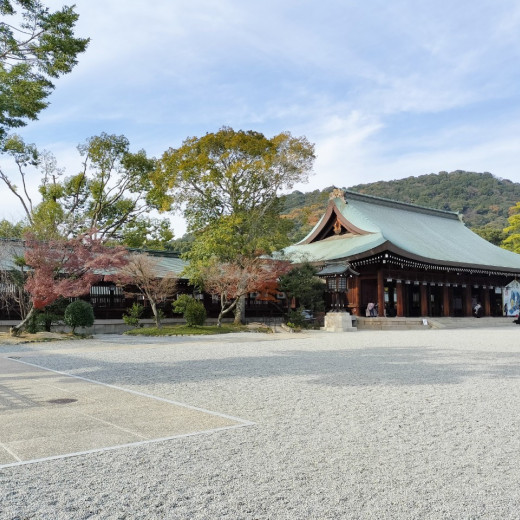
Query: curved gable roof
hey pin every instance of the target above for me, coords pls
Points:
(424, 234)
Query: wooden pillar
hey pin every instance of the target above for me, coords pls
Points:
(353, 296)
(380, 293)
(400, 298)
(486, 303)
(468, 307)
(424, 300)
(446, 300)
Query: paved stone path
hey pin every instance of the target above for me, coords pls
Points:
(46, 414)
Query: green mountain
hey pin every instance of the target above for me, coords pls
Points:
(483, 199)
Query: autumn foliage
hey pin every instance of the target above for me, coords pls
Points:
(142, 272)
(68, 268)
(232, 280)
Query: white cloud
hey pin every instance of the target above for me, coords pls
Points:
(384, 89)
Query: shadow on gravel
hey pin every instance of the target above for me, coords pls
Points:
(6, 349)
(374, 366)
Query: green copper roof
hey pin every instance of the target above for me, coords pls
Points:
(166, 262)
(424, 234)
(169, 264)
(334, 248)
(9, 249)
(334, 269)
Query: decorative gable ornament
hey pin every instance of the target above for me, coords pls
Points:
(337, 193)
(337, 227)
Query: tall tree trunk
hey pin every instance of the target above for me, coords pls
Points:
(240, 310)
(156, 316)
(224, 309)
(17, 329)
(23, 309)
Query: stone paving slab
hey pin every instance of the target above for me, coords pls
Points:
(47, 414)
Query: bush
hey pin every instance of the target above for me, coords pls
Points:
(180, 304)
(32, 326)
(297, 319)
(133, 314)
(79, 314)
(195, 314)
(192, 310)
(53, 313)
(42, 320)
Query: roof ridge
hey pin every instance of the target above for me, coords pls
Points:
(155, 252)
(7, 239)
(401, 205)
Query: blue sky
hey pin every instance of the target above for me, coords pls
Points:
(385, 90)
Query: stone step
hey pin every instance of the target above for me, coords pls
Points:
(436, 323)
(471, 323)
(390, 323)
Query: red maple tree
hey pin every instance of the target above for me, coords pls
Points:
(67, 268)
(232, 280)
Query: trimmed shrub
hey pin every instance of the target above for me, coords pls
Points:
(180, 304)
(192, 310)
(195, 314)
(79, 314)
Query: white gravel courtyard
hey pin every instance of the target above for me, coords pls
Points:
(368, 425)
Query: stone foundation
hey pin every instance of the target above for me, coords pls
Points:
(338, 322)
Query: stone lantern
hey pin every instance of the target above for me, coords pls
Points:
(335, 275)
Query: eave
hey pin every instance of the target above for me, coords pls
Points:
(426, 263)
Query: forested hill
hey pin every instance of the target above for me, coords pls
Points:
(483, 199)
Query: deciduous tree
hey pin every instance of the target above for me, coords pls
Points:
(229, 172)
(512, 232)
(227, 186)
(67, 268)
(36, 47)
(13, 275)
(11, 230)
(491, 234)
(232, 280)
(142, 271)
(108, 194)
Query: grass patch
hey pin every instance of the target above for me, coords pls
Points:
(184, 330)
(38, 337)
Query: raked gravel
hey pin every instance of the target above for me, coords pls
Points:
(371, 425)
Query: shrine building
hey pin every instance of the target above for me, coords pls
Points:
(406, 259)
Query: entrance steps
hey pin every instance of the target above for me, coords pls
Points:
(363, 322)
(471, 322)
(433, 323)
